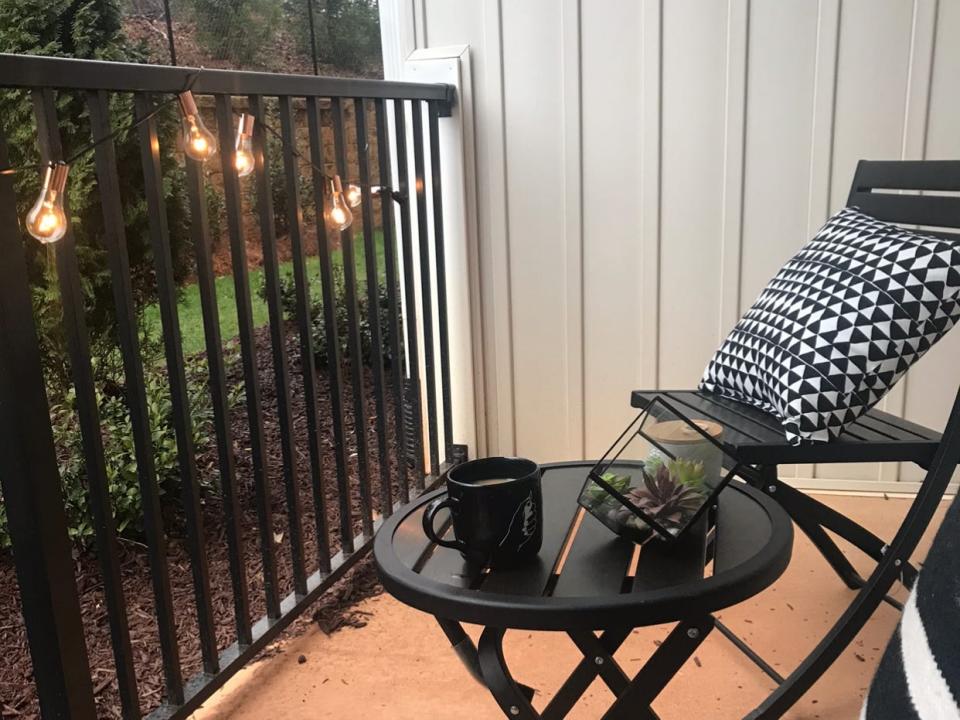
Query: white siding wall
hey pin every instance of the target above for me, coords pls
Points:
(645, 166)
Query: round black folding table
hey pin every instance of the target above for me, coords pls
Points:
(585, 580)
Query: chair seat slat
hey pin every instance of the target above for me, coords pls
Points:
(757, 437)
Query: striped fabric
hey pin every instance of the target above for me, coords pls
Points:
(919, 674)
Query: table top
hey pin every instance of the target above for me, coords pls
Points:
(585, 577)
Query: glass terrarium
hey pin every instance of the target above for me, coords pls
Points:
(660, 475)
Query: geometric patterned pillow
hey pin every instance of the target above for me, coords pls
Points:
(839, 325)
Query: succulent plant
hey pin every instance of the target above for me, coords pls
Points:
(596, 494)
(688, 472)
(663, 497)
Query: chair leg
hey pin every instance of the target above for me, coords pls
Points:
(850, 531)
(812, 516)
(875, 588)
(800, 511)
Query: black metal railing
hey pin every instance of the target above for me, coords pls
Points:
(28, 460)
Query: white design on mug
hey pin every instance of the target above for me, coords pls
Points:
(527, 520)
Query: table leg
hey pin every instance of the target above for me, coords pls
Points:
(584, 674)
(467, 652)
(508, 694)
(653, 677)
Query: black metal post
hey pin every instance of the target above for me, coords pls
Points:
(248, 352)
(278, 337)
(331, 331)
(305, 326)
(199, 229)
(170, 42)
(353, 329)
(313, 38)
(426, 286)
(414, 429)
(440, 256)
(393, 291)
(31, 491)
(373, 307)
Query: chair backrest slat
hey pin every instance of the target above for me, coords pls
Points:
(876, 184)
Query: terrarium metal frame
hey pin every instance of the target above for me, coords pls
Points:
(636, 429)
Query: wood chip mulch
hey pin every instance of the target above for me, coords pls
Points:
(331, 612)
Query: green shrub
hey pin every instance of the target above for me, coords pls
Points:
(347, 33)
(288, 299)
(86, 29)
(119, 453)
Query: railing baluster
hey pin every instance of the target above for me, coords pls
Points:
(281, 370)
(302, 287)
(373, 306)
(426, 286)
(409, 289)
(167, 300)
(248, 351)
(441, 261)
(330, 326)
(31, 490)
(115, 242)
(353, 330)
(140, 426)
(393, 290)
(199, 229)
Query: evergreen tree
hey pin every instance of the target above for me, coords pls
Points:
(89, 29)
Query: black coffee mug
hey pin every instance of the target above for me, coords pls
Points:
(497, 510)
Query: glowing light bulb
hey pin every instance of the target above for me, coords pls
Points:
(47, 220)
(339, 215)
(243, 156)
(353, 195)
(198, 142)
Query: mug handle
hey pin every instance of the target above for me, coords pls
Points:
(428, 516)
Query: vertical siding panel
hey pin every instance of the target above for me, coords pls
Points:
(694, 59)
(573, 193)
(495, 251)
(781, 106)
(650, 191)
(871, 90)
(533, 105)
(913, 147)
(934, 381)
(735, 123)
(613, 233)
(823, 119)
(609, 191)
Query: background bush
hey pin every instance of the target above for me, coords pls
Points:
(238, 30)
(347, 32)
(119, 454)
(86, 29)
(321, 348)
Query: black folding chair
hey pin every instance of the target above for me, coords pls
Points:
(757, 438)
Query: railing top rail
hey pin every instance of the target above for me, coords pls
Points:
(34, 71)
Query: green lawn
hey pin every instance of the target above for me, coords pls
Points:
(191, 316)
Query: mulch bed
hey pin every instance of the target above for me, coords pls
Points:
(332, 610)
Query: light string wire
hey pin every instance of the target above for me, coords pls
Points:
(307, 162)
(136, 122)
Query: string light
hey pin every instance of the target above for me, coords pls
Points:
(198, 142)
(47, 220)
(339, 214)
(353, 195)
(243, 156)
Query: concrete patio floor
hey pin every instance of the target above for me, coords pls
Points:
(400, 666)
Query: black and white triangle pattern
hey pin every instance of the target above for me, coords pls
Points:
(839, 325)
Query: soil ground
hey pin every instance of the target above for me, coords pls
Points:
(17, 695)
